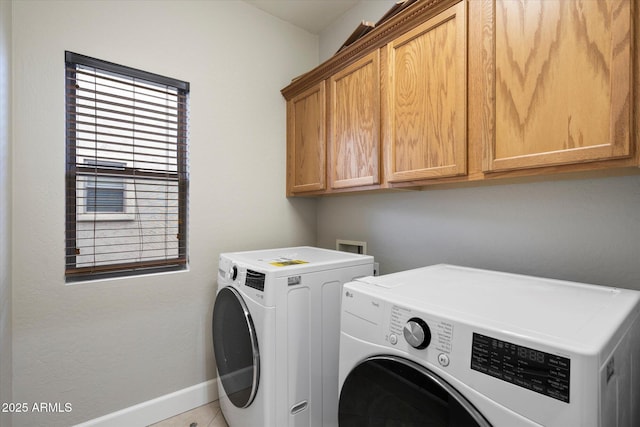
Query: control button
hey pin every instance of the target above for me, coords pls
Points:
(233, 274)
(443, 359)
(417, 333)
(393, 339)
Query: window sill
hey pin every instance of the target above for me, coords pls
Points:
(141, 277)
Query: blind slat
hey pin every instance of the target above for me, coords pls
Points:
(137, 129)
(104, 119)
(117, 86)
(130, 102)
(102, 144)
(103, 113)
(182, 87)
(124, 107)
(137, 174)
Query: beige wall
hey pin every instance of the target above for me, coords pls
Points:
(584, 230)
(5, 208)
(108, 345)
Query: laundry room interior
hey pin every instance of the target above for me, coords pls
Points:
(137, 349)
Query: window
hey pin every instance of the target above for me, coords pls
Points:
(126, 170)
(104, 195)
(105, 198)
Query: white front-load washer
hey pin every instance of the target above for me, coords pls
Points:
(276, 327)
(453, 346)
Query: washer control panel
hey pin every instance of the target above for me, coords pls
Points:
(536, 370)
(240, 274)
(420, 331)
(425, 335)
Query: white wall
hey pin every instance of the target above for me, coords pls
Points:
(5, 208)
(108, 345)
(584, 230)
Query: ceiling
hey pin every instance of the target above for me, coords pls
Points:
(311, 15)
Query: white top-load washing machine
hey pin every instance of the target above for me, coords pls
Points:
(452, 346)
(276, 327)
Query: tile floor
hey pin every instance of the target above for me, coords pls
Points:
(208, 415)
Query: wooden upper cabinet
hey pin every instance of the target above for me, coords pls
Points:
(470, 90)
(354, 124)
(562, 87)
(306, 143)
(424, 99)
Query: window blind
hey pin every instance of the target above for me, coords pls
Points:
(126, 170)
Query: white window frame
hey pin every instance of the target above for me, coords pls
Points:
(83, 192)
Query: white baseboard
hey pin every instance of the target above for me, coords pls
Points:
(160, 408)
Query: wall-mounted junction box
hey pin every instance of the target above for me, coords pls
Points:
(356, 247)
(351, 246)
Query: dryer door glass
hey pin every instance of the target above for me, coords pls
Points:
(235, 347)
(390, 391)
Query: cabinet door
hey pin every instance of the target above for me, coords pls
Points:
(562, 82)
(354, 124)
(306, 143)
(424, 90)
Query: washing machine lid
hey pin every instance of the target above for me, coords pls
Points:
(296, 260)
(554, 311)
(389, 390)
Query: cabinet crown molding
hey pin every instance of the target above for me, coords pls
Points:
(413, 16)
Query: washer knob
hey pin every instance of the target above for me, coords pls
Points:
(233, 274)
(417, 333)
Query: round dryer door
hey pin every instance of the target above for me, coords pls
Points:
(235, 347)
(391, 391)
